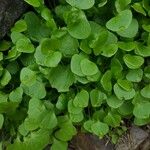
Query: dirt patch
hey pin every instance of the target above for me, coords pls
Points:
(135, 139)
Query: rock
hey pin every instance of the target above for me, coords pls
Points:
(10, 11)
(84, 141)
(132, 140)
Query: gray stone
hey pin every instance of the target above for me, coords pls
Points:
(133, 139)
(10, 11)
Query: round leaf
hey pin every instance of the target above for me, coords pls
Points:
(72, 109)
(114, 102)
(126, 46)
(75, 64)
(125, 84)
(1, 121)
(88, 68)
(112, 120)
(135, 75)
(106, 81)
(142, 110)
(100, 129)
(80, 27)
(133, 61)
(142, 50)
(76, 117)
(24, 45)
(97, 97)
(121, 21)
(27, 77)
(145, 92)
(84, 4)
(131, 31)
(126, 108)
(123, 94)
(81, 99)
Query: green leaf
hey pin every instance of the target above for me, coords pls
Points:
(88, 68)
(125, 84)
(88, 124)
(110, 50)
(122, 4)
(48, 45)
(4, 45)
(34, 3)
(126, 108)
(61, 78)
(116, 68)
(142, 50)
(99, 115)
(84, 46)
(62, 102)
(81, 99)
(20, 26)
(36, 112)
(73, 109)
(123, 94)
(76, 117)
(1, 121)
(1, 56)
(6, 77)
(27, 77)
(51, 59)
(105, 44)
(120, 22)
(3, 97)
(135, 75)
(102, 3)
(77, 24)
(139, 98)
(95, 77)
(142, 110)
(24, 45)
(49, 121)
(75, 64)
(146, 4)
(68, 45)
(133, 61)
(100, 129)
(32, 90)
(97, 97)
(37, 140)
(59, 145)
(146, 27)
(131, 31)
(145, 91)
(126, 46)
(66, 132)
(106, 81)
(113, 120)
(147, 72)
(141, 122)
(16, 95)
(84, 4)
(138, 8)
(35, 28)
(114, 102)
(15, 36)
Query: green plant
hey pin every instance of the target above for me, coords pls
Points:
(81, 66)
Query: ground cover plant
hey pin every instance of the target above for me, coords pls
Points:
(81, 66)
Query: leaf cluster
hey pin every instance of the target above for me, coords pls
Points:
(82, 66)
